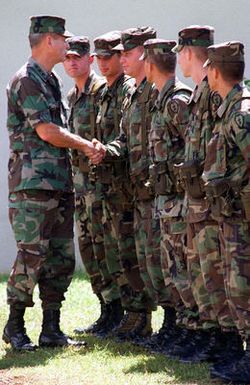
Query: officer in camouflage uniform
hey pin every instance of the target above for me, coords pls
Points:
(204, 261)
(83, 102)
(226, 173)
(166, 142)
(41, 199)
(116, 190)
(134, 140)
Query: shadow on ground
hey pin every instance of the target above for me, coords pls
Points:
(146, 362)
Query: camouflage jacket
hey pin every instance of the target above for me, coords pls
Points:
(34, 97)
(82, 121)
(108, 123)
(204, 105)
(134, 131)
(228, 154)
(166, 142)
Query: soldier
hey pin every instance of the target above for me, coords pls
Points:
(226, 173)
(133, 139)
(166, 142)
(116, 189)
(203, 259)
(83, 102)
(41, 199)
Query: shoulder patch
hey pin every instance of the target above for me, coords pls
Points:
(174, 106)
(216, 99)
(239, 120)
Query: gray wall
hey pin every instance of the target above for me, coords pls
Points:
(229, 17)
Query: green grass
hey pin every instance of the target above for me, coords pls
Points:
(103, 362)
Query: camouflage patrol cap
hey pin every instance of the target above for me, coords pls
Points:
(227, 52)
(153, 47)
(78, 45)
(135, 37)
(104, 44)
(196, 36)
(45, 24)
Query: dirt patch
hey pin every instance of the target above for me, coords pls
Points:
(7, 379)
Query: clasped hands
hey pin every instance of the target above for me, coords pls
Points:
(95, 151)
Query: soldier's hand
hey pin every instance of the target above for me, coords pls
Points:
(99, 153)
(88, 148)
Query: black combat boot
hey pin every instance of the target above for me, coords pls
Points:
(180, 343)
(14, 332)
(99, 323)
(207, 346)
(233, 351)
(51, 335)
(168, 343)
(115, 315)
(237, 371)
(194, 343)
(165, 333)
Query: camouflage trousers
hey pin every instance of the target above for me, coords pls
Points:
(42, 222)
(120, 252)
(94, 212)
(148, 242)
(88, 216)
(174, 268)
(205, 272)
(235, 249)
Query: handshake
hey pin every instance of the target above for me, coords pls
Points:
(94, 150)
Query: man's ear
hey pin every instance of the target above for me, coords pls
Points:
(216, 73)
(49, 40)
(189, 53)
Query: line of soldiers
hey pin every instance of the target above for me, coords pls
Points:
(174, 202)
(162, 194)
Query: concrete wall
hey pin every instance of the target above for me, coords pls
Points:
(229, 17)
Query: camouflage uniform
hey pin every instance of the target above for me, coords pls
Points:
(166, 141)
(116, 195)
(134, 140)
(230, 143)
(83, 111)
(204, 261)
(41, 201)
(226, 173)
(202, 239)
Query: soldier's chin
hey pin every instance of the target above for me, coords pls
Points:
(126, 71)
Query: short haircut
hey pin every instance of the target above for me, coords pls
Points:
(230, 71)
(36, 38)
(200, 52)
(165, 63)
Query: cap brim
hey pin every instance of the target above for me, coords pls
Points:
(118, 47)
(67, 34)
(71, 52)
(102, 53)
(177, 48)
(207, 62)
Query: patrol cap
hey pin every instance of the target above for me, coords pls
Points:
(153, 47)
(196, 36)
(135, 37)
(227, 52)
(45, 24)
(104, 44)
(78, 45)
